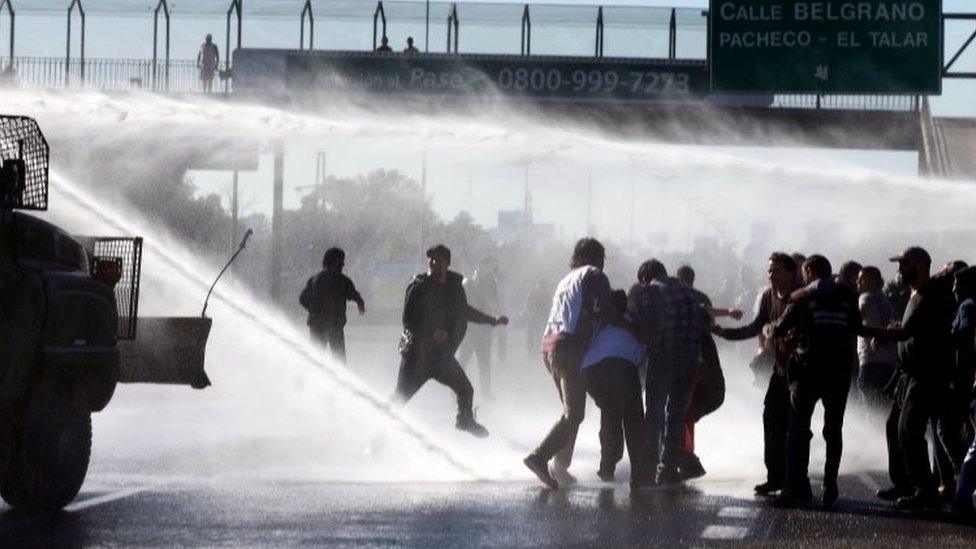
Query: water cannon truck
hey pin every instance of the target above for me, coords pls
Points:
(69, 332)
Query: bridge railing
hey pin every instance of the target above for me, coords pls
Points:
(102, 74)
(907, 103)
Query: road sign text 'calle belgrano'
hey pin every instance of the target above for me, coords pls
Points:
(826, 46)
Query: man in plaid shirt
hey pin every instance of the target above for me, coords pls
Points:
(672, 322)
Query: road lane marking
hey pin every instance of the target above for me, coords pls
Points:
(724, 531)
(738, 512)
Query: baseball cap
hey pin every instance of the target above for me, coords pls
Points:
(914, 254)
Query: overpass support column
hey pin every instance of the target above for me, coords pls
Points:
(276, 219)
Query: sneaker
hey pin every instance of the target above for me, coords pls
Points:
(539, 468)
(605, 476)
(892, 493)
(793, 497)
(917, 502)
(767, 488)
(562, 476)
(830, 494)
(692, 468)
(668, 475)
(466, 422)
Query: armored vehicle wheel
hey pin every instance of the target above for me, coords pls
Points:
(52, 459)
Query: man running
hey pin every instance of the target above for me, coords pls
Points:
(435, 317)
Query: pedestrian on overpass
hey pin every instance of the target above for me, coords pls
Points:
(577, 308)
(325, 297)
(435, 318)
(208, 59)
(384, 46)
(410, 49)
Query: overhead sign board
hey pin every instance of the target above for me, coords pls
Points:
(536, 77)
(826, 46)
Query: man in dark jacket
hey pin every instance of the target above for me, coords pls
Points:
(435, 317)
(776, 405)
(922, 381)
(823, 320)
(324, 297)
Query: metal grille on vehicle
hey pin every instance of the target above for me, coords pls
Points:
(24, 157)
(129, 251)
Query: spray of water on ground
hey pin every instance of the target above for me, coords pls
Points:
(278, 406)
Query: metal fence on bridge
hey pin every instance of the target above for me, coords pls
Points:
(102, 74)
(631, 30)
(182, 76)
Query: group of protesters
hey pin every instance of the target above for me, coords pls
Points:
(601, 342)
(908, 347)
(648, 360)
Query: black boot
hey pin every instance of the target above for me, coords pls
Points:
(466, 422)
(793, 497)
(830, 493)
(768, 488)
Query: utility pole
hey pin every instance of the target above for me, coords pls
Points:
(234, 213)
(320, 192)
(526, 206)
(469, 193)
(589, 203)
(320, 183)
(276, 219)
(632, 200)
(664, 210)
(423, 200)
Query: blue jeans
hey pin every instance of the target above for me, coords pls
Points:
(669, 384)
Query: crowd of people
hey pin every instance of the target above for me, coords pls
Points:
(648, 359)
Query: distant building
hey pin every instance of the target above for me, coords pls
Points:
(515, 224)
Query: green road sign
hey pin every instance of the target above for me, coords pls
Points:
(826, 46)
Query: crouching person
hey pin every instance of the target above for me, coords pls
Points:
(610, 367)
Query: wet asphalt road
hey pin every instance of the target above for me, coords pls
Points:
(147, 511)
(246, 465)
